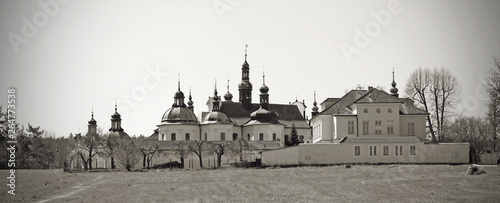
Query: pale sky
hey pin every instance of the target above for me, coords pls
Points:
(88, 53)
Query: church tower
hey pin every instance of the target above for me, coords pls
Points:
(92, 127)
(314, 108)
(190, 102)
(116, 122)
(245, 87)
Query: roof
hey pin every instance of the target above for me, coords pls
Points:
(411, 139)
(170, 145)
(342, 106)
(287, 113)
(377, 96)
(330, 100)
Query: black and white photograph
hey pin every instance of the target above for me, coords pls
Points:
(249, 101)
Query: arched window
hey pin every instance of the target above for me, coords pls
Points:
(235, 136)
(222, 136)
(274, 136)
(187, 136)
(172, 136)
(162, 136)
(301, 138)
(261, 136)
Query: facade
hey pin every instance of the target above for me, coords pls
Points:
(368, 126)
(263, 125)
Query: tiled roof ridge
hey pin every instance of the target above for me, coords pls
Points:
(345, 95)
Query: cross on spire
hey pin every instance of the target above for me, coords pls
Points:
(178, 81)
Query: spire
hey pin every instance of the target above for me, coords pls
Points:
(116, 121)
(315, 108)
(178, 81)
(115, 107)
(264, 89)
(190, 102)
(215, 87)
(246, 47)
(394, 89)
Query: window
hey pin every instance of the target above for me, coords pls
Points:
(389, 110)
(235, 136)
(301, 139)
(366, 127)
(187, 136)
(350, 127)
(400, 150)
(162, 136)
(261, 136)
(390, 127)
(413, 150)
(366, 110)
(373, 150)
(386, 150)
(378, 110)
(222, 136)
(411, 128)
(274, 136)
(378, 127)
(206, 136)
(357, 150)
(396, 150)
(248, 137)
(172, 136)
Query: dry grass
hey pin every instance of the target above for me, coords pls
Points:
(401, 183)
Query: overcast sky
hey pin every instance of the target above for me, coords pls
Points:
(65, 58)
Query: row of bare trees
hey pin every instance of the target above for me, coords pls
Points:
(200, 148)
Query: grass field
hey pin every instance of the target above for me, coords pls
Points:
(361, 183)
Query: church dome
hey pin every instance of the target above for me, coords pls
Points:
(178, 114)
(264, 116)
(92, 121)
(216, 117)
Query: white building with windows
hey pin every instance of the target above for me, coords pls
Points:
(368, 126)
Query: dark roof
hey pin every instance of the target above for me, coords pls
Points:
(341, 104)
(411, 139)
(377, 96)
(287, 113)
(330, 100)
(170, 145)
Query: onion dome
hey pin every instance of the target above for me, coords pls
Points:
(228, 96)
(394, 89)
(264, 88)
(216, 117)
(92, 121)
(190, 102)
(116, 116)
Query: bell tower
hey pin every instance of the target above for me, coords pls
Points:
(245, 87)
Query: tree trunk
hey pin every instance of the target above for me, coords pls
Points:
(90, 159)
(436, 106)
(201, 161)
(113, 166)
(144, 161)
(219, 157)
(182, 162)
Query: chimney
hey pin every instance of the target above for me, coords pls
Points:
(370, 88)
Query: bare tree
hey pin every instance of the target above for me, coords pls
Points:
(148, 154)
(87, 148)
(444, 93)
(126, 153)
(182, 151)
(474, 131)
(198, 147)
(492, 87)
(220, 148)
(417, 88)
(436, 90)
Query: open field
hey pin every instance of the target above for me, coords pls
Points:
(399, 183)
